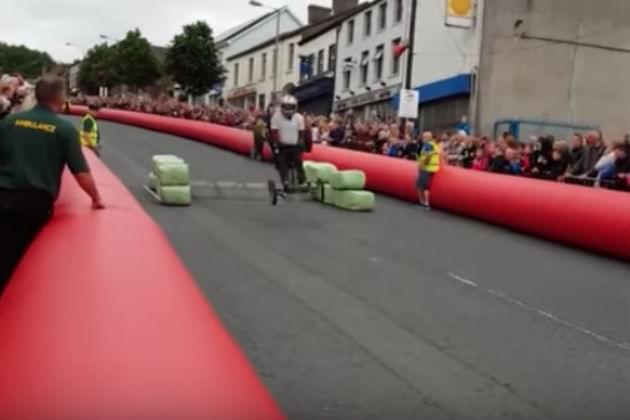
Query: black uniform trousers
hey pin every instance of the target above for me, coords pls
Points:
(22, 215)
(290, 157)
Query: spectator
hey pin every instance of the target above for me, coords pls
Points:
(594, 150)
(606, 166)
(560, 161)
(498, 159)
(541, 158)
(480, 163)
(577, 148)
(337, 134)
(512, 162)
(463, 125)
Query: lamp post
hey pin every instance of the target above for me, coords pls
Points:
(276, 72)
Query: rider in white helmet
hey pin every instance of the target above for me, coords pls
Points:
(288, 133)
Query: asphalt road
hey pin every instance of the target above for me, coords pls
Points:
(395, 314)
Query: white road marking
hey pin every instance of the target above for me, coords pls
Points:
(542, 313)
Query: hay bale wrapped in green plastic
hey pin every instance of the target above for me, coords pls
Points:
(354, 200)
(173, 174)
(152, 182)
(323, 193)
(162, 159)
(318, 171)
(348, 180)
(179, 195)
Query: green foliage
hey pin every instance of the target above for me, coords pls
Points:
(135, 63)
(29, 63)
(97, 69)
(192, 59)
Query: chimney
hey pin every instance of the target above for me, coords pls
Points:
(318, 13)
(340, 6)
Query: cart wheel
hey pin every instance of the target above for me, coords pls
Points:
(273, 192)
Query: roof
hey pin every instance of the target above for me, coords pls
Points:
(230, 33)
(310, 31)
(267, 43)
(328, 24)
(237, 30)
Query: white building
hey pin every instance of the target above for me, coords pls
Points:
(251, 74)
(318, 61)
(245, 36)
(369, 74)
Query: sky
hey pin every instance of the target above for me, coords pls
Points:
(48, 25)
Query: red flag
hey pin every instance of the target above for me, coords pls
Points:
(399, 48)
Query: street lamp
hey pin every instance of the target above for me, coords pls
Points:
(277, 66)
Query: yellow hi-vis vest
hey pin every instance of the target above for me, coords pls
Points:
(435, 157)
(89, 138)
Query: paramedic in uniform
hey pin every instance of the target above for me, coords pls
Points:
(35, 146)
(288, 133)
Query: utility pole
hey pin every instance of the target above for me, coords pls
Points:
(410, 55)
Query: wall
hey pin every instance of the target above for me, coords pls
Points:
(264, 85)
(550, 81)
(393, 30)
(322, 42)
(442, 51)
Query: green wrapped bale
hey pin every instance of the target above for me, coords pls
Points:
(173, 174)
(323, 193)
(180, 195)
(318, 171)
(152, 182)
(158, 160)
(348, 180)
(354, 200)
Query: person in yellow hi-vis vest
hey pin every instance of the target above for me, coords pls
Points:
(429, 163)
(90, 136)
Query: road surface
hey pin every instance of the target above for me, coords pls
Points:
(399, 313)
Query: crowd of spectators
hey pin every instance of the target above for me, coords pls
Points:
(15, 94)
(584, 159)
(169, 106)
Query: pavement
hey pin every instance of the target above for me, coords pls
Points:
(396, 314)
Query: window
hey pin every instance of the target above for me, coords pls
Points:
(378, 63)
(235, 74)
(395, 59)
(250, 70)
(347, 73)
(367, 23)
(351, 32)
(365, 66)
(261, 101)
(320, 62)
(346, 79)
(263, 68)
(291, 57)
(332, 57)
(382, 16)
(398, 12)
(275, 63)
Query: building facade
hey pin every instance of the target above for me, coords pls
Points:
(368, 75)
(251, 75)
(372, 62)
(247, 35)
(561, 62)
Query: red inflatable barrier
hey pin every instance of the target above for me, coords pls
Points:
(101, 320)
(583, 217)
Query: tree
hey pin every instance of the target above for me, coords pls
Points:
(192, 59)
(29, 63)
(135, 63)
(98, 69)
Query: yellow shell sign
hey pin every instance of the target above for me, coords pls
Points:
(460, 8)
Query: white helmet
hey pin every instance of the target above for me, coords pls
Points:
(289, 105)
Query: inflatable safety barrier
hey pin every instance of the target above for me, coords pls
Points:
(102, 320)
(587, 218)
